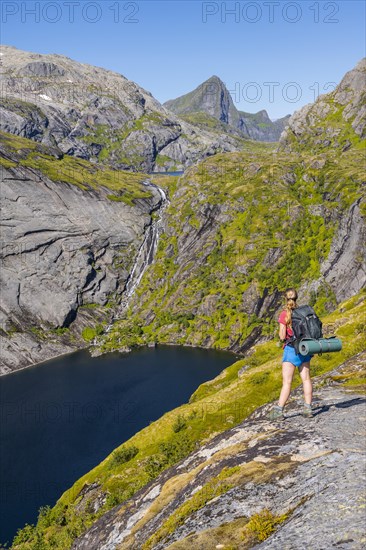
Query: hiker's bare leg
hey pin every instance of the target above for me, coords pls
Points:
(288, 370)
(306, 382)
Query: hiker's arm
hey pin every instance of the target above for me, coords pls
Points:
(282, 332)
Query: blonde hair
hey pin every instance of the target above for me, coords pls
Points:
(291, 297)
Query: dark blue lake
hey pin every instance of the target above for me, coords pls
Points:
(61, 418)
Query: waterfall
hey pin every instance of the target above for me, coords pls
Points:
(147, 250)
(145, 254)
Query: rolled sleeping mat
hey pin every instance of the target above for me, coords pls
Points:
(323, 345)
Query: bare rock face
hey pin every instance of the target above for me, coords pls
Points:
(343, 272)
(345, 267)
(309, 471)
(41, 68)
(335, 120)
(95, 114)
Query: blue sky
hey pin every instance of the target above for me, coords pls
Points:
(274, 55)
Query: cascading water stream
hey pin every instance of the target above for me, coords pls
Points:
(147, 249)
(145, 255)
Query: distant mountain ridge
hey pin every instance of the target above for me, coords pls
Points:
(98, 115)
(213, 98)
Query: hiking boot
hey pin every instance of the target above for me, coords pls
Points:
(307, 412)
(276, 413)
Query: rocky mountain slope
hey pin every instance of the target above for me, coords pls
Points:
(98, 115)
(215, 471)
(213, 99)
(71, 233)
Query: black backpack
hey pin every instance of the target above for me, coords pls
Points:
(305, 324)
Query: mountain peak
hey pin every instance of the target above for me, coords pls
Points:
(214, 78)
(213, 98)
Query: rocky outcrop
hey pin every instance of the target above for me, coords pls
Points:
(343, 272)
(96, 114)
(213, 98)
(303, 474)
(67, 250)
(345, 268)
(335, 121)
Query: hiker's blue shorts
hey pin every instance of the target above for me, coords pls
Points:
(290, 355)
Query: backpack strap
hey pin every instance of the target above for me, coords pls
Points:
(290, 341)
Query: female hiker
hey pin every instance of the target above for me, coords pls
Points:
(290, 361)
